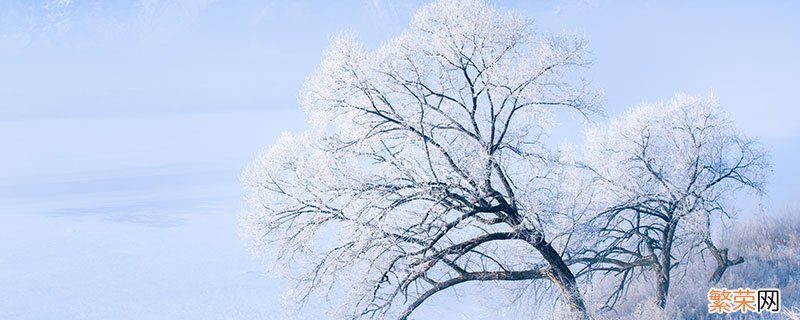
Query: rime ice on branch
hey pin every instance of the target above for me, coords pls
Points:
(426, 166)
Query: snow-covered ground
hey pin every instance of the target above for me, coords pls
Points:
(130, 218)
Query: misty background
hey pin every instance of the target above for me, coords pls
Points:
(124, 126)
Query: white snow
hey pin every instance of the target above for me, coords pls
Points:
(103, 223)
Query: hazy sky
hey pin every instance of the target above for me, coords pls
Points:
(85, 57)
(71, 58)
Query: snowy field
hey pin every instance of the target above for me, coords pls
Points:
(129, 218)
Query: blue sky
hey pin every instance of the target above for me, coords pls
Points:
(124, 126)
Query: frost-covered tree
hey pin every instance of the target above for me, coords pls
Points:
(425, 167)
(666, 172)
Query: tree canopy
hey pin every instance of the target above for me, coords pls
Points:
(426, 166)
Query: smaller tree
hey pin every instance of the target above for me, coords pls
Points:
(666, 171)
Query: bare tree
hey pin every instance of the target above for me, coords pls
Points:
(426, 166)
(666, 171)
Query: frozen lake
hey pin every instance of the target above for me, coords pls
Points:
(130, 218)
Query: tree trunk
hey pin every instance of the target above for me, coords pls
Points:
(662, 288)
(563, 278)
(662, 282)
